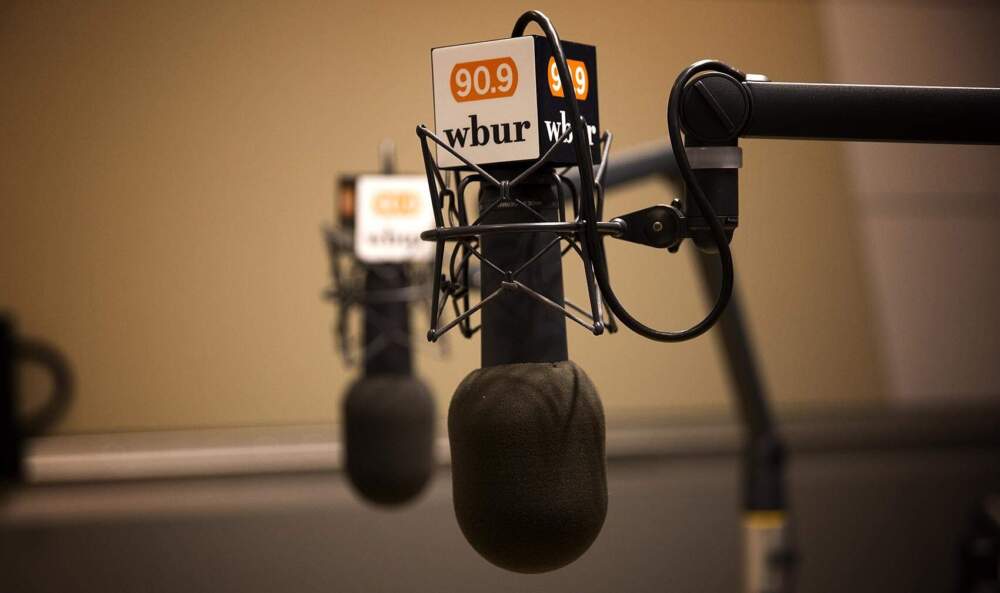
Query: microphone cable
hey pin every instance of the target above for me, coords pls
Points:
(593, 240)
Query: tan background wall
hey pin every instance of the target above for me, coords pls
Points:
(165, 167)
(929, 214)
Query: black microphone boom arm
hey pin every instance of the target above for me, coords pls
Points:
(757, 108)
(718, 107)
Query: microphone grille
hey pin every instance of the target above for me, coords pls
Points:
(389, 437)
(528, 466)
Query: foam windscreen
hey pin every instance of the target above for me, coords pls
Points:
(528, 465)
(389, 437)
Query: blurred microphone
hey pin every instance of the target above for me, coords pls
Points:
(388, 413)
(527, 429)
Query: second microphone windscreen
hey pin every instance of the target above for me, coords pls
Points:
(528, 466)
(389, 437)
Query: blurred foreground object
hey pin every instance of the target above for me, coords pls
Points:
(15, 424)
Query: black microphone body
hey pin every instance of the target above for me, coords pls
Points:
(389, 414)
(517, 328)
(527, 429)
(386, 353)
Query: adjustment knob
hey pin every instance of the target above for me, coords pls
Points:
(715, 108)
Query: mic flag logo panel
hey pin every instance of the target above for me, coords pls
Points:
(502, 101)
(484, 79)
(581, 80)
(392, 211)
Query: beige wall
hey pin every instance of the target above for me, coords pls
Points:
(929, 214)
(165, 168)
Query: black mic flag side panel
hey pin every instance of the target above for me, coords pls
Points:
(527, 455)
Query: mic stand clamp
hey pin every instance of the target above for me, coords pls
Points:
(665, 226)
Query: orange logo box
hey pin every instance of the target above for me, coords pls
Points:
(581, 79)
(396, 203)
(483, 79)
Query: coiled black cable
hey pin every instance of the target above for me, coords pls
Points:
(592, 239)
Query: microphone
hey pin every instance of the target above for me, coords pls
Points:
(526, 430)
(388, 413)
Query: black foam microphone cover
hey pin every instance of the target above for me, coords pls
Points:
(528, 466)
(389, 437)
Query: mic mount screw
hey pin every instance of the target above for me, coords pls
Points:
(657, 226)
